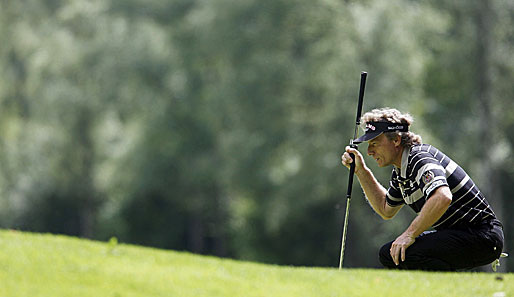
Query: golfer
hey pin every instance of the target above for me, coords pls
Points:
(465, 232)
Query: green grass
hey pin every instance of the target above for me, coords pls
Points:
(48, 265)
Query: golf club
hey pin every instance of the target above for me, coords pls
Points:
(352, 165)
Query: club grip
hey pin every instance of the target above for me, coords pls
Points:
(352, 171)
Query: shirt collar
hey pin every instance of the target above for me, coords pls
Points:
(405, 162)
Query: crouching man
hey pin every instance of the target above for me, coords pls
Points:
(466, 232)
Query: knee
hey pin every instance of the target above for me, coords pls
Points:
(384, 256)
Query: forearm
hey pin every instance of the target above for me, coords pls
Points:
(432, 211)
(374, 191)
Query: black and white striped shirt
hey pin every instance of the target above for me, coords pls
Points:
(424, 169)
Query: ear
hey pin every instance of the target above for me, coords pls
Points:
(397, 141)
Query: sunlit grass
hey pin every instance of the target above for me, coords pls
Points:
(49, 265)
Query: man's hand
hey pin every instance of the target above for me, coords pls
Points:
(433, 209)
(346, 159)
(399, 246)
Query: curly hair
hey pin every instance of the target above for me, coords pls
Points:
(393, 115)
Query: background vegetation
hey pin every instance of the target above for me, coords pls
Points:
(217, 126)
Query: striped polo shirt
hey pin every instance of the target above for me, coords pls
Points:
(424, 169)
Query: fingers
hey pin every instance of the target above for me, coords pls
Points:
(399, 248)
(346, 159)
(351, 150)
(395, 250)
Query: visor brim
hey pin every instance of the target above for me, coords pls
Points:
(367, 137)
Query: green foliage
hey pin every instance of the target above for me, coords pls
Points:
(48, 265)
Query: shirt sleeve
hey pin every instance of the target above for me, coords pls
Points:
(430, 177)
(394, 195)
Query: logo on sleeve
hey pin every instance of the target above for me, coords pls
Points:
(427, 177)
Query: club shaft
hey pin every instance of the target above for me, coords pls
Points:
(345, 227)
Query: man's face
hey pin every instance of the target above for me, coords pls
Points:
(384, 151)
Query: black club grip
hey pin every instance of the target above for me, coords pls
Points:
(350, 176)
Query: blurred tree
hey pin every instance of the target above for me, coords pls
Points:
(263, 110)
(71, 63)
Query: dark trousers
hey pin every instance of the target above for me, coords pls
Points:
(451, 249)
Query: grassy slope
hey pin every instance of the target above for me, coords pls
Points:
(47, 265)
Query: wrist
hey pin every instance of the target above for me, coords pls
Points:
(409, 233)
(363, 170)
